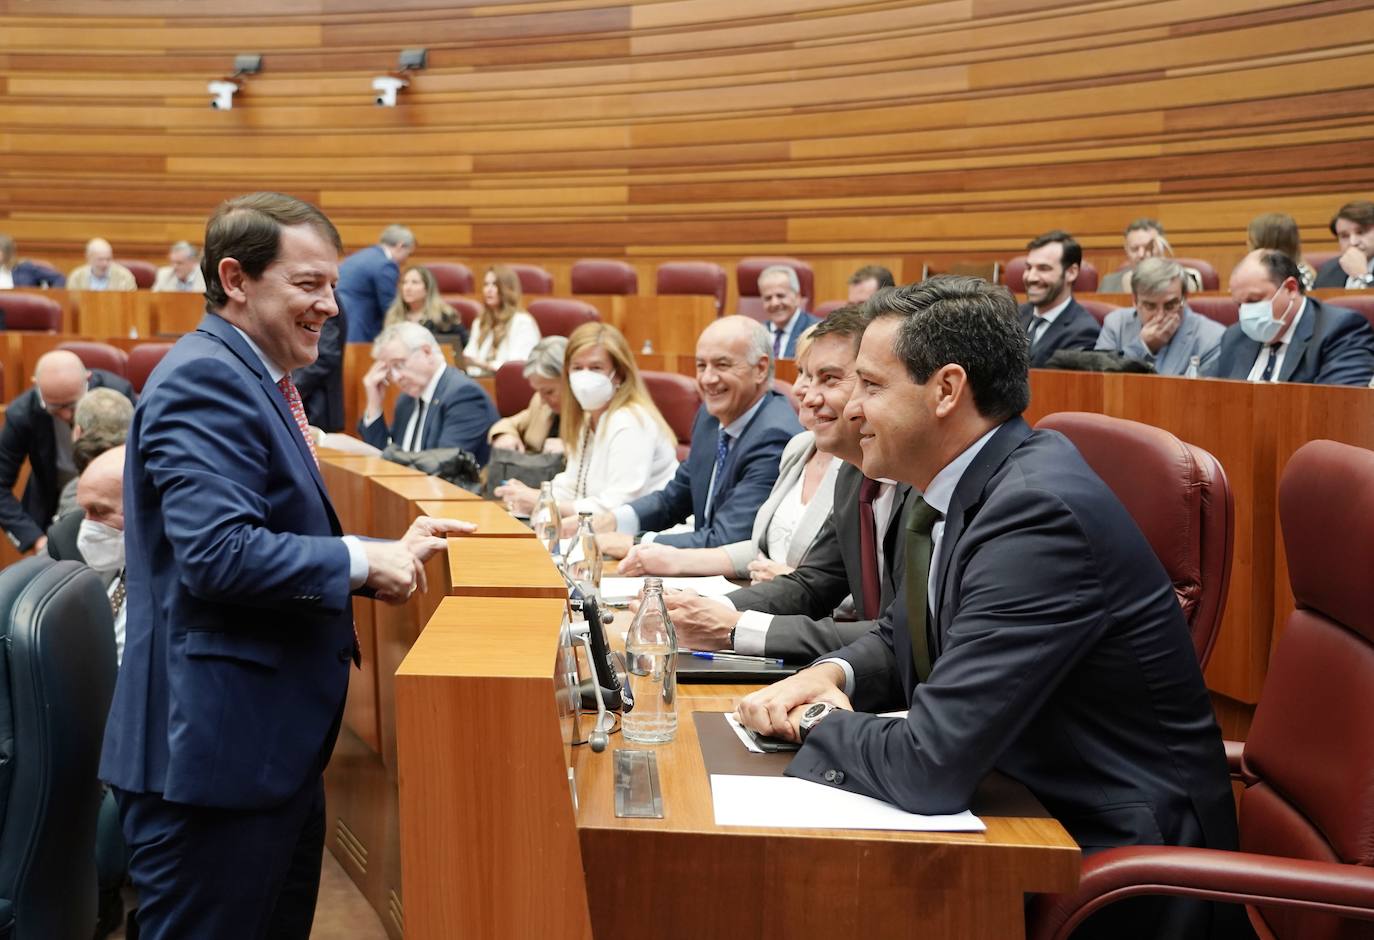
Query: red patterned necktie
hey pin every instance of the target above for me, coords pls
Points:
(293, 399)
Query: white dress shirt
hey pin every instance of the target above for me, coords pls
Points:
(6, 278)
(627, 456)
(521, 335)
(413, 435)
(1278, 349)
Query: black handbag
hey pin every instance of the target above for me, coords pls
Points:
(453, 464)
(529, 468)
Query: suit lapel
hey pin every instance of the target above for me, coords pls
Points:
(434, 412)
(1302, 336)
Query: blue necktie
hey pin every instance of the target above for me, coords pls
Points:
(722, 448)
(777, 343)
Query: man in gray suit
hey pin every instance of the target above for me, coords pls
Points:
(791, 616)
(1160, 329)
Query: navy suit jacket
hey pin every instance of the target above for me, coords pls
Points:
(459, 416)
(1330, 274)
(1075, 328)
(240, 624)
(1331, 346)
(804, 322)
(367, 286)
(28, 435)
(1061, 658)
(33, 274)
(321, 383)
(750, 470)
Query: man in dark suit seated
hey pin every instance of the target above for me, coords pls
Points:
(1036, 633)
(780, 292)
(1284, 336)
(453, 411)
(1052, 318)
(792, 616)
(17, 273)
(737, 440)
(1353, 268)
(38, 428)
(368, 280)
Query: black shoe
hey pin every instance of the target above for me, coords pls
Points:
(109, 913)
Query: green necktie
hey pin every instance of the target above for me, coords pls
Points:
(920, 519)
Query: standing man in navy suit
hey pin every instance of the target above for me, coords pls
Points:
(368, 281)
(453, 410)
(1052, 319)
(780, 292)
(239, 632)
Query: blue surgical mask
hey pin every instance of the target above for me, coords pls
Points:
(1257, 319)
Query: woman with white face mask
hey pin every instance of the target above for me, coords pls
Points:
(618, 445)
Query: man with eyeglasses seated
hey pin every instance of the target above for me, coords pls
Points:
(38, 428)
(1160, 329)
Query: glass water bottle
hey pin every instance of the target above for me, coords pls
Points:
(588, 569)
(545, 519)
(651, 670)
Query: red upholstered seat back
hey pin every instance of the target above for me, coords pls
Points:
(830, 306)
(533, 279)
(598, 276)
(1363, 304)
(143, 359)
(747, 282)
(144, 273)
(513, 390)
(1223, 310)
(1318, 258)
(1014, 276)
(1097, 308)
(451, 277)
(1311, 745)
(1178, 495)
(30, 312)
(559, 316)
(692, 277)
(678, 400)
(467, 308)
(99, 356)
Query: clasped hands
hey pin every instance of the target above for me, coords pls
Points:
(776, 710)
(396, 569)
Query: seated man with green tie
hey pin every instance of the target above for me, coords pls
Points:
(438, 406)
(1035, 634)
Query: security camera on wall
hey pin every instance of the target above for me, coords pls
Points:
(386, 87)
(222, 94)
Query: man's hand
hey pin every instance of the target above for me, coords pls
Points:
(508, 442)
(374, 386)
(428, 536)
(393, 571)
(1157, 332)
(603, 522)
(762, 569)
(776, 709)
(40, 545)
(651, 558)
(1354, 263)
(701, 623)
(615, 544)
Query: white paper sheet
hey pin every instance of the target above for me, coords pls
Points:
(715, 586)
(787, 802)
(349, 445)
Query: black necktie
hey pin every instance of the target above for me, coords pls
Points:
(414, 442)
(920, 520)
(1033, 328)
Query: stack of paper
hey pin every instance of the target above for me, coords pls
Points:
(791, 803)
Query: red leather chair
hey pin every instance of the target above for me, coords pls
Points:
(1318, 258)
(143, 359)
(1206, 273)
(99, 356)
(747, 282)
(1307, 810)
(30, 312)
(987, 270)
(1363, 304)
(830, 306)
(144, 273)
(513, 390)
(1097, 308)
(692, 277)
(598, 276)
(451, 277)
(678, 400)
(1179, 496)
(1224, 310)
(533, 279)
(559, 316)
(467, 308)
(1014, 276)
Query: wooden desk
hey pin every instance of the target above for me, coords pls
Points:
(491, 518)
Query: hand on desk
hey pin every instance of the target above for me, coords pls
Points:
(762, 569)
(701, 623)
(427, 536)
(776, 710)
(518, 497)
(396, 569)
(615, 544)
(651, 558)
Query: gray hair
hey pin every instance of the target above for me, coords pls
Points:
(103, 409)
(185, 246)
(395, 235)
(1154, 275)
(546, 358)
(775, 270)
(410, 335)
(760, 344)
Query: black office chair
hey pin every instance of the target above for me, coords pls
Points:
(55, 687)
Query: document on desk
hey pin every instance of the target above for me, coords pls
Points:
(349, 445)
(716, 586)
(791, 803)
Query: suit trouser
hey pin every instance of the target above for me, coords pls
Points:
(219, 874)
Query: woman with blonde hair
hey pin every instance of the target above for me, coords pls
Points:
(418, 301)
(618, 445)
(503, 331)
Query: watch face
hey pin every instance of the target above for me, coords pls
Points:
(815, 711)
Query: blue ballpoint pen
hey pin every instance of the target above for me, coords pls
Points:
(737, 658)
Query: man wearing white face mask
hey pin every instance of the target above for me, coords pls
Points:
(1284, 336)
(100, 494)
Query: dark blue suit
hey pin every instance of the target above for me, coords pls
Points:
(1330, 346)
(33, 274)
(367, 286)
(750, 470)
(1061, 658)
(459, 416)
(240, 638)
(1075, 328)
(804, 322)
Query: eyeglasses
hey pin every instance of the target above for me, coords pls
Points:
(55, 408)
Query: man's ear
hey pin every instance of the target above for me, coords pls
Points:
(951, 386)
(232, 278)
(1071, 274)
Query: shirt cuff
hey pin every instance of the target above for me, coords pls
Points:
(370, 418)
(751, 633)
(626, 519)
(848, 673)
(358, 568)
(648, 538)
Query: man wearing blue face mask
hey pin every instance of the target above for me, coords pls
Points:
(1284, 336)
(100, 494)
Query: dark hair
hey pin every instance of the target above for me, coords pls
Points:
(6, 247)
(951, 318)
(1073, 254)
(1279, 267)
(873, 272)
(848, 320)
(94, 442)
(1360, 212)
(248, 229)
(1276, 230)
(1144, 225)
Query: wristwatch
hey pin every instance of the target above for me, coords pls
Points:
(813, 716)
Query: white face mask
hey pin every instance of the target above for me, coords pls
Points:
(101, 545)
(1257, 319)
(592, 390)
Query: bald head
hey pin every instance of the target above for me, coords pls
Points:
(60, 378)
(734, 366)
(100, 490)
(99, 254)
